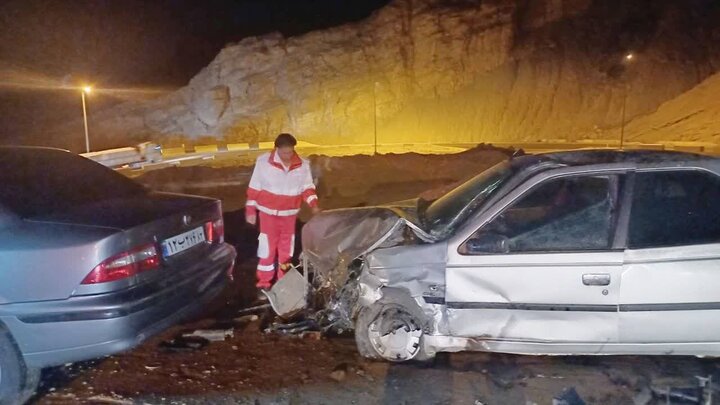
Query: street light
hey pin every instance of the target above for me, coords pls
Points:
(375, 84)
(86, 90)
(627, 59)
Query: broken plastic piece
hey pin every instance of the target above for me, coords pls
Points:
(287, 296)
(212, 335)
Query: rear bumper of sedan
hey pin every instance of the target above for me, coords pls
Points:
(87, 327)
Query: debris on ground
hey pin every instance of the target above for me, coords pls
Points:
(311, 335)
(184, 343)
(568, 396)
(699, 395)
(212, 335)
(104, 399)
(246, 319)
(252, 310)
(188, 373)
(299, 327)
(643, 397)
(339, 373)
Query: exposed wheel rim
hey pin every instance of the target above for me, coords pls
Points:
(395, 335)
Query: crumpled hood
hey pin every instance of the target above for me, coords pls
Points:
(332, 239)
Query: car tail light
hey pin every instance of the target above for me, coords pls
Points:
(215, 231)
(123, 265)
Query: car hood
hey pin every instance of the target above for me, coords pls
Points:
(333, 239)
(124, 213)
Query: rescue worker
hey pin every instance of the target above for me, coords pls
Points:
(280, 182)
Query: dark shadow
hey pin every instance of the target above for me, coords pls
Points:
(403, 380)
(57, 378)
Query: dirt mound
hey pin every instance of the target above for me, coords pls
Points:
(347, 181)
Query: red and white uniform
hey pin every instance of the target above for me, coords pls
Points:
(276, 192)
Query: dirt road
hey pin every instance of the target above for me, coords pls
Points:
(255, 368)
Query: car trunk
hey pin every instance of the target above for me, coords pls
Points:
(152, 219)
(126, 213)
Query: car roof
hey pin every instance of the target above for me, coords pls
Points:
(605, 156)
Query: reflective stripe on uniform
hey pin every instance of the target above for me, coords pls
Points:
(279, 213)
(269, 267)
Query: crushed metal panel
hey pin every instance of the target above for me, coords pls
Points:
(333, 239)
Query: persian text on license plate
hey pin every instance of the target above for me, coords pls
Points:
(182, 242)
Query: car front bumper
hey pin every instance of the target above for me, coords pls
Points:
(82, 328)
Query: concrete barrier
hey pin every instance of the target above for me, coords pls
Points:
(173, 151)
(232, 147)
(206, 148)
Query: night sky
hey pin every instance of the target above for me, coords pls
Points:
(157, 44)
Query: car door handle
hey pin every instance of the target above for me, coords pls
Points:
(596, 279)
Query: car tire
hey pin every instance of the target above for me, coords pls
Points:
(17, 382)
(374, 323)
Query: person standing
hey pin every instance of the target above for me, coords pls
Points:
(280, 183)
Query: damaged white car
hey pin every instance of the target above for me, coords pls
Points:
(588, 252)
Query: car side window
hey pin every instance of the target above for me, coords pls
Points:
(571, 213)
(674, 208)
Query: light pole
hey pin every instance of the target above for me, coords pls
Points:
(375, 114)
(86, 90)
(627, 59)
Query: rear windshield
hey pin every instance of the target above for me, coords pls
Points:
(43, 181)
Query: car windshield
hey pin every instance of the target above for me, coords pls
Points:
(37, 182)
(466, 198)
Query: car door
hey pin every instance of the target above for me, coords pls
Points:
(541, 267)
(671, 281)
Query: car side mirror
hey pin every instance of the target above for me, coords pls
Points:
(488, 243)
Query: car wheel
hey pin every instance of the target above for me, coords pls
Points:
(390, 332)
(17, 382)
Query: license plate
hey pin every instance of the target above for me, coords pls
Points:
(182, 242)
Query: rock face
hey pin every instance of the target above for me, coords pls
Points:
(692, 117)
(439, 71)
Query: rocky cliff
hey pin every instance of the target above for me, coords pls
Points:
(440, 71)
(691, 117)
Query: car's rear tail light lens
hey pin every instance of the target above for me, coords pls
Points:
(215, 231)
(123, 265)
(219, 227)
